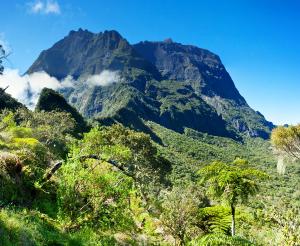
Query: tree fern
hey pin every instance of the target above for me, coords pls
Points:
(216, 219)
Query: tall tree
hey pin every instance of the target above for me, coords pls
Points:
(233, 183)
(287, 140)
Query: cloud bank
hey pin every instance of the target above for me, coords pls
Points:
(44, 7)
(26, 89)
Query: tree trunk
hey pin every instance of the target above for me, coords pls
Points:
(233, 220)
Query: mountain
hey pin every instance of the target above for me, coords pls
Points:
(50, 100)
(206, 74)
(177, 86)
(83, 53)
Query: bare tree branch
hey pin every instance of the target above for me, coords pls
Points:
(83, 158)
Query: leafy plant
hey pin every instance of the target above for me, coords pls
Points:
(220, 239)
(179, 212)
(233, 183)
(287, 139)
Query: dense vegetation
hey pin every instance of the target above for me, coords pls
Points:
(64, 181)
(114, 186)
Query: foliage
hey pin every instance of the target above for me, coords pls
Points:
(53, 129)
(10, 174)
(233, 183)
(289, 224)
(215, 219)
(23, 161)
(8, 102)
(90, 193)
(134, 151)
(287, 139)
(26, 227)
(102, 193)
(179, 212)
(192, 150)
(50, 100)
(118, 187)
(220, 239)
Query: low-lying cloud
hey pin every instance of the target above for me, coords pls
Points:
(26, 89)
(103, 79)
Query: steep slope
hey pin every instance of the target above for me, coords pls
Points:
(8, 102)
(84, 53)
(138, 94)
(200, 67)
(171, 84)
(50, 100)
(208, 77)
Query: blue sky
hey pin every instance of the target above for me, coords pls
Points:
(258, 41)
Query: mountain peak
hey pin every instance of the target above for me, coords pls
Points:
(80, 31)
(84, 53)
(168, 41)
(113, 34)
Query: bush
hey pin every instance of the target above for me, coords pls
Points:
(11, 187)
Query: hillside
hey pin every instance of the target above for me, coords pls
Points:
(65, 209)
(50, 100)
(117, 186)
(8, 102)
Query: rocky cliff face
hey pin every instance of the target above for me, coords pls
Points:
(209, 79)
(175, 85)
(84, 53)
(201, 68)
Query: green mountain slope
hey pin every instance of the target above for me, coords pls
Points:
(8, 102)
(50, 100)
(184, 152)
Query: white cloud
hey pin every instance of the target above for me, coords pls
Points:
(44, 7)
(37, 7)
(26, 89)
(52, 7)
(104, 78)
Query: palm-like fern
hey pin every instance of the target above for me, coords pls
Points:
(216, 219)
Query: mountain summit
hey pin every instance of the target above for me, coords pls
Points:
(175, 85)
(84, 53)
